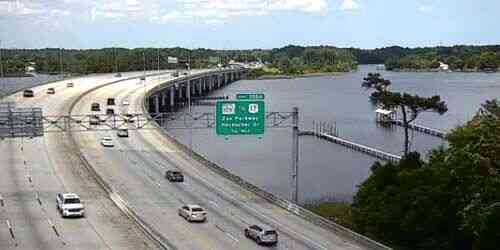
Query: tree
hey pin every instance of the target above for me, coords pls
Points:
(488, 61)
(410, 106)
(450, 202)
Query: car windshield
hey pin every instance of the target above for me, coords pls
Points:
(72, 201)
(270, 232)
(197, 209)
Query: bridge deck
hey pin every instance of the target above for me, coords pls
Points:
(356, 146)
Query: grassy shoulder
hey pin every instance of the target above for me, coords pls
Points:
(340, 213)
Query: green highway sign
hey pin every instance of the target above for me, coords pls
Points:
(240, 117)
(250, 96)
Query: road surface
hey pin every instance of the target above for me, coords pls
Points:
(135, 169)
(34, 170)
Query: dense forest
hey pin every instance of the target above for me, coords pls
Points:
(459, 58)
(451, 201)
(287, 60)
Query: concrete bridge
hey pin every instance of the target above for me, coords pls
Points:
(169, 96)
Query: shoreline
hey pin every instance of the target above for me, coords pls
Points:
(310, 75)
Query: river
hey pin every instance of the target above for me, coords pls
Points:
(328, 171)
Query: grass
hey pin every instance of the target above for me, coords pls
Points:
(340, 213)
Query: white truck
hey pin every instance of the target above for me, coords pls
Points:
(69, 205)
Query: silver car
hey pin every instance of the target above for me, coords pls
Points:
(193, 213)
(262, 234)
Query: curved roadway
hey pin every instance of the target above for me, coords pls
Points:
(135, 168)
(34, 170)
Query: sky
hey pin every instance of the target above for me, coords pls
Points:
(245, 24)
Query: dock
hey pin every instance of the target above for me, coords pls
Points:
(420, 128)
(379, 154)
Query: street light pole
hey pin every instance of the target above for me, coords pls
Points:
(1, 68)
(295, 155)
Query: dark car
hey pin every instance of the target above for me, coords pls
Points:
(94, 120)
(51, 91)
(111, 101)
(174, 176)
(95, 107)
(28, 93)
(122, 133)
(110, 111)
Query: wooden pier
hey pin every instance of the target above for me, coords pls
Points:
(355, 146)
(420, 128)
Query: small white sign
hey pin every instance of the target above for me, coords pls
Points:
(253, 108)
(228, 108)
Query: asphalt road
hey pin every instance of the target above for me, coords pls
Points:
(34, 170)
(135, 168)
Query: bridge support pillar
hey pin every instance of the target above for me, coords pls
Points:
(180, 91)
(156, 101)
(219, 80)
(172, 98)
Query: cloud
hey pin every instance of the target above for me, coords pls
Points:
(221, 11)
(349, 5)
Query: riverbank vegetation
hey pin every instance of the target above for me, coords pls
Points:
(451, 201)
(289, 60)
(459, 58)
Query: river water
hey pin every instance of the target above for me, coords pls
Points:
(328, 171)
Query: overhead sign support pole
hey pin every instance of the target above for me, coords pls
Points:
(295, 155)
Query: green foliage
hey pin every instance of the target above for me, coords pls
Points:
(289, 60)
(450, 202)
(340, 213)
(459, 58)
(409, 105)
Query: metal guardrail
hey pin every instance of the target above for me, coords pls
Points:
(421, 128)
(284, 204)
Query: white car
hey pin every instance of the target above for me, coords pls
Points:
(193, 213)
(107, 142)
(262, 234)
(125, 103)
(69, 204)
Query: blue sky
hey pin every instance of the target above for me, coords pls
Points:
(231, 24)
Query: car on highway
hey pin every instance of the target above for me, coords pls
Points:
(110, 111)
(262, 234)
(174, 176)
(28, 93)
(110, 101)
(94, 120)
(107, 141)
(143, 78)
(129, 118)
(69, 205)
(95, 107)
(125, 103)
(175, 74)
(118, 74)
(70, 85)
(122, 133)
(51, 91)
(193, 213)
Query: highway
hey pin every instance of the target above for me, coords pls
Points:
(135, 169)
(34, 170)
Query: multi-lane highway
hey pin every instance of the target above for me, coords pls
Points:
(34, 170)
(134, 168)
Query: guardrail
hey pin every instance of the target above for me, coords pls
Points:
(285, 204)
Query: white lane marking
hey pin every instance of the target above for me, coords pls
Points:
(232, 237)
(213, 203)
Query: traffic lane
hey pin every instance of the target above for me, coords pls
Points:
(147, 199)
(104, 216)
(157, 208)
(188, 192)
(309, 233)
(29, 224)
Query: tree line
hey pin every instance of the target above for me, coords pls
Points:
(459, 58)
(289, 60)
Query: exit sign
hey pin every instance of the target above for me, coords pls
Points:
(240, 118)
(250, 96)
